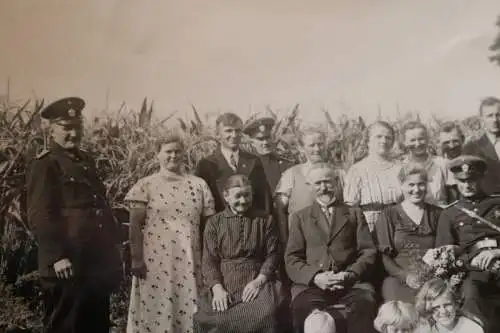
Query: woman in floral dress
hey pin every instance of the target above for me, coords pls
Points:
(166, 210)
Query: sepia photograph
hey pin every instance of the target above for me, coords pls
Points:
(275, 166)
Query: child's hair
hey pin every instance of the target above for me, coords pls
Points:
(397, 314)
(319, 322)
(237, 180)
(430, 291)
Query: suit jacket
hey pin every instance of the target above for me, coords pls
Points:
(483, 147)
(66, 205)
(316, 246)
(215, 170)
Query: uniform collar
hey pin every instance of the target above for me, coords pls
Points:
(75, 154)
(478, 197)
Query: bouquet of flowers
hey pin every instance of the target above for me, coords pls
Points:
(444, 264)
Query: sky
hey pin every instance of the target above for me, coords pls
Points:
(347, 56)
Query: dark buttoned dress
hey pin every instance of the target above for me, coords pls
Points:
(237, 248)
(403, 243)
(66, 205)
(481, 289)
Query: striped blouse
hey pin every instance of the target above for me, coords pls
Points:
(373, 184)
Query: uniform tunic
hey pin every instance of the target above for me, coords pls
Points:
(481, 289)
(166, 300)
(236, 250)
(66, 204)
(403, 243)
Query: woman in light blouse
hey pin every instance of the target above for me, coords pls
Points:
(373, 183)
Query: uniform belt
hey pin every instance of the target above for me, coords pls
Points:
(486, 243)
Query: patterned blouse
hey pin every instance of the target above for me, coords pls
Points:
(372, 184)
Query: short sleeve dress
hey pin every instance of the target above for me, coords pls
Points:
(166, 300)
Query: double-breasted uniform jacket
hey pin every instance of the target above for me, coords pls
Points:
(67, 207)
(215, 170)
(316, 245)
(274, 166)
(483, 147)
(455, 227)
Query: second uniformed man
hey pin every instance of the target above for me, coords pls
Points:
(479, 242)
(78, 258)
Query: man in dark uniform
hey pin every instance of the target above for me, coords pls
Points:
(479, 242)
(260, 132)
(78, 257)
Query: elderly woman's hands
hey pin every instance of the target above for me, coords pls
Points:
(221, 298)
(252, 289)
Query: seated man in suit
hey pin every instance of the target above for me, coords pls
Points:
(228, 159)
(487, 146)
(329, 256)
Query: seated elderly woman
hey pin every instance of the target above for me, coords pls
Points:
(404, 233)
(240, 257)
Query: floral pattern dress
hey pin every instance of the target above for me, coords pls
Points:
(165, 301)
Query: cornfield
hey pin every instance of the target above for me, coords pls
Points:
(122, 144)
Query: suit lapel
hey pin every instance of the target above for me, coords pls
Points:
(339, 220)
(319, 220)
(220, 160)
(487, 147)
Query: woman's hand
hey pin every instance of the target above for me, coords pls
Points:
(138, 268)
(412, 281)
(221, 299)
(252, 289)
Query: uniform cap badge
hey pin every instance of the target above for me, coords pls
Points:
(71, 113)
(465, 168)
(497, 214)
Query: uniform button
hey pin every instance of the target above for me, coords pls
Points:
(95, 196)
(476, 210)
(98, 212)
(99, 226)
(72, 179)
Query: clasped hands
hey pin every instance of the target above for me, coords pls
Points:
(222, 299)
(485, 258)
(333, 281)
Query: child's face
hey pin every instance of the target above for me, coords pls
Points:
(239, 198)
(444, 310)
(392, 329)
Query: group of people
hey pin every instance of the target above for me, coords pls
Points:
(256, 243)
